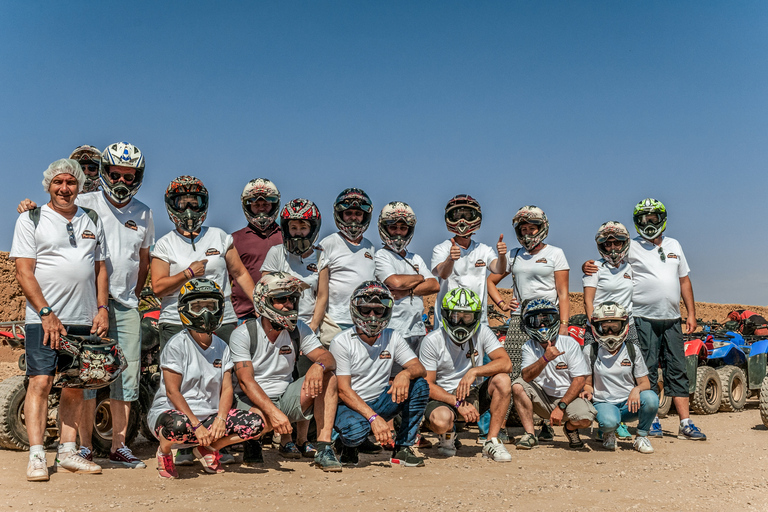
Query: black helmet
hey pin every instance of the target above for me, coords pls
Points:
(201, 305)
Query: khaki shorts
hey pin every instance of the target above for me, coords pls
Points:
(543, 404)
(289, 402)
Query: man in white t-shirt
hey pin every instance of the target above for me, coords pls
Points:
(364, 357)
(59, 251)
(453, 357)
(129, 231)
(265, 351)
(461, 262)
(347, 259)
(660, 277)
(553, 375)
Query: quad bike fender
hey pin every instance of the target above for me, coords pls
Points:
(756, 364)
(695, 351)
(729, 354)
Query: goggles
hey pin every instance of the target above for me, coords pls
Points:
(609, 327)
(346, 205)
(199, 306)
(194, 202)
(461, 317)
(268, 199)
(463, 213)
(541, 319)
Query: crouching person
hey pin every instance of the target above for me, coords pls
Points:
(453, 357)
(619, 384)
(194, 402)
(553, 375)
(364, 355)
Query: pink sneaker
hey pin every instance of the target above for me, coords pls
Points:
(165, 466)
(209, 459)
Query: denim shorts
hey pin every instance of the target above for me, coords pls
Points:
(42, 359)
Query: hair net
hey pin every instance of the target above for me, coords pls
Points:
(64, 166)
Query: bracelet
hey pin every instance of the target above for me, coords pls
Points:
(104, 307)
(544, 357)
(370, 420)
(500, 302)
(197, 426)
(221, 419)
(321, 364)
(458, 404)
(191, 272)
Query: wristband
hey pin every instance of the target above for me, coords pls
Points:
(370, 420)
(544, 357)
(191, 272)
(321, 364)
(221, 419)
(197, 426)
(458, 404)
(500, 302)
(104, 307)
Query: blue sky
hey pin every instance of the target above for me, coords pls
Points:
(582, 108)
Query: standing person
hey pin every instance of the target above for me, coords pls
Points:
(59, 251)
(660, 278)
(129, 231)
(89, 158)
(364, 356)
(260, 200)
(194, 402)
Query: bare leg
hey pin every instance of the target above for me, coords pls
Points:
(36, 407)
(302, 432)
(120, 413)
(500, 389)
(524, 407)
(324, 407)
(85, 426)
(70, 411)
(441, 420)
(681, 406)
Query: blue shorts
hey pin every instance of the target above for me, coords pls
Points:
(42, 359)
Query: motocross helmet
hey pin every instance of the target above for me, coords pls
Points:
(613, 230)
(121, 154)
(647, 229)
(186, 200)
(610, 325)
(89, 158)
(278, 287)
(300, 209)
(391, 214)
(541, 320)
(371, 307)
(88, 362)
(352, 199)
(260, 188)
(460, 312)
(463, 215)
(201, 305)
(531, 215)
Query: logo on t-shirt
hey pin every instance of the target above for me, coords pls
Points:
(285, 349)
(541, 260)
(131, 225)
(90, 236)
(479, 263)
(672, 256)
(626, 362)
(474, 355)
(217, 363)
(561, 366)
(212, 252)
(368, 255)
(385, 355)
(312, 267)
(626, 276)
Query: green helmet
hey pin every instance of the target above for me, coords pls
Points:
(647, 229)
(461, 311)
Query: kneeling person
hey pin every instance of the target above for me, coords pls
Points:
(364, 355)
(453, 357)
(553, 375)
(619, 384)
(265, 351)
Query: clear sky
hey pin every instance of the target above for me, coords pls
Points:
(582, 108)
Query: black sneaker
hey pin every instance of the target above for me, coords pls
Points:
(546, 434)
(574, 440)
(406, 457)
(368, 447)
(252, 453)
(349, 456)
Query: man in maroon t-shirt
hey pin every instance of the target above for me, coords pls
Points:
(261, 204)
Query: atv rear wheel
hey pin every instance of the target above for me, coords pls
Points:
(734, 385)
(708, 393)
(102, 424)
(764, 402)
(665, 402)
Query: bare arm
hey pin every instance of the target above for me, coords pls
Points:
(173, 392)
(499, 265)
(143, 270)
(428, 287)
(272, 415)
(238, 272)
(438, 393)
(101, 321)
(403, 281)
(493, 292)
(352, 399)
(321, 303)
(443, 270)
(165, 284)
(561, 285)
(589, 300)
(686, 291)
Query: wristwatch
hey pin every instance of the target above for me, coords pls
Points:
(562, 405)
(45, 311)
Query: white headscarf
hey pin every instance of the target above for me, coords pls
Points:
(64, 166)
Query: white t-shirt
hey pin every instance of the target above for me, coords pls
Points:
(451, 361)
(66, 274)
(406, 315)
(369, 365)
(657, 283)
(535, 273)
(611, 283)
(350, 265)
(280, 260)
(272, 362)
(613, 378)
(211, 244)
(126, 230)
(202, 374)
(556, 377)
(469, 271)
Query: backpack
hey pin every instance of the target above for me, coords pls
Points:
(250, 324)
(630, 348)
(34, 215)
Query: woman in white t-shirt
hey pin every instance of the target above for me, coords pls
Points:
(193, 405)
(193, 250)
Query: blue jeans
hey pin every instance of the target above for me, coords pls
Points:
(353, 428)
(610, 415)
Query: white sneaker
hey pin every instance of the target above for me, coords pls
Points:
(74, 462)
(609, 441)
(37, 470)
(495, 449)
(643, 445)
(446, 444)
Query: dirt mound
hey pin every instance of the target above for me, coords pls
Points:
(12, 301)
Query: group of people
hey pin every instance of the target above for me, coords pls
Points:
(267, 328)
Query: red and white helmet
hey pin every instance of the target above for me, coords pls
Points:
(260, 188)
(613, 230)
(89, 158)
(186, 200)
(531, 215)
(463, 215)
(122, 154)
(391, 214)
(275, 286)
(88, 362)
(300, 209)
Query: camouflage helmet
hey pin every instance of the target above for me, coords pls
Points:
(531, 214)
(617, 231)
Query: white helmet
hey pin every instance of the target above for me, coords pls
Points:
(391, 214)
(89, 158)
(531, 215)
(121, 154)
(617, 231)
(260, 188)
(610, 325)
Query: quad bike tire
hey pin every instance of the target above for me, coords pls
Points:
(102, 424)
(734, 384)
(708, 394)
(665, 402)
(764, 402)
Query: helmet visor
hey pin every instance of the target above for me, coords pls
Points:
(619, 237)
(269, 199)
(648, 219)
(462, 317)
(199, 306)
(463, 213)
(194, 202)
(346, 205)
(542, 320)
(612, 327)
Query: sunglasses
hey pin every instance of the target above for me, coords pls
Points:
(613, 243)
(661, 255)
(71, 232)
(115, 177)
(284, 300)
(90, 169)
(376, 310)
